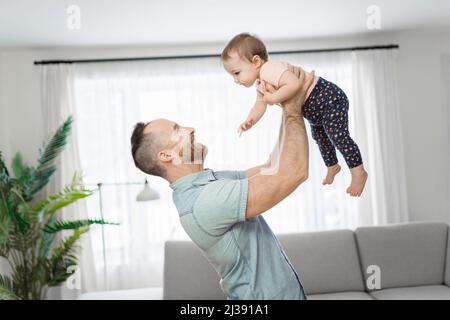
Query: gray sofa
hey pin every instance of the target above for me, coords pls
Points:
(413, 261)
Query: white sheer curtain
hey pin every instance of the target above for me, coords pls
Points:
(109, 98)
(57, 104)
(379, 127)
(314, 206)
(445, 62)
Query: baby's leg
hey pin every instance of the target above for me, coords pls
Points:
(336, 126)
(327, 151)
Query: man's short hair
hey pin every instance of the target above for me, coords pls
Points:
(144, 148)
(246, 46)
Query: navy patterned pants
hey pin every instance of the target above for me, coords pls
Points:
(326, 109)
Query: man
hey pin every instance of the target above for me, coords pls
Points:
(221, 211)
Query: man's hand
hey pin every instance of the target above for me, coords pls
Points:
(299, 99)
(295, 104)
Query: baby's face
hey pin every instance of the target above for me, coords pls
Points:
(243, 71)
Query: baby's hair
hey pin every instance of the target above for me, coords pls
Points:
(246, 46)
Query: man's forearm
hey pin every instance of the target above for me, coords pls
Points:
(293, 141)
(265, 191)
(293, 160)
(274, 157)
(289, 158)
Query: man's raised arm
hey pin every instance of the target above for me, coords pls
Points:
(266, 190)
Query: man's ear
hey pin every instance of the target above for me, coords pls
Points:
(257, 61)
(165, 156)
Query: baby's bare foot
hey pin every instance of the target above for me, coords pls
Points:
(332, 171)
(359, 177)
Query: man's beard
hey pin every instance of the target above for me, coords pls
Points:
(196, 153)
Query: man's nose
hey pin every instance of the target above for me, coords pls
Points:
(189, 130)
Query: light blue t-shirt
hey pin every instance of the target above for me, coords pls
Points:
(245, 252)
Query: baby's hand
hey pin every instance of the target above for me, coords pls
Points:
(268, 94)
(246, 125)
(261, 86)
(267, 98)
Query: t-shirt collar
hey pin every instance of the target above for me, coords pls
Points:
(197, 178)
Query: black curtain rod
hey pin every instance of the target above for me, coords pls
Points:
(391, 46)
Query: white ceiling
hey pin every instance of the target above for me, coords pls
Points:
(34, 23)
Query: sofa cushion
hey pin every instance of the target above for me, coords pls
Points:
(188, 274)
(341, 296)
(326, 261)
(410, 254)
(130, 294)
(437, 292)
(447, 263)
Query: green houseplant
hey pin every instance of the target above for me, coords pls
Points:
(29, 227)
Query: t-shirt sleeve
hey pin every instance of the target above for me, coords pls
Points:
(230, 174)
(271, 72)
(220, 205)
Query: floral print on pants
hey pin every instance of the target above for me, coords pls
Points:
(326, 109)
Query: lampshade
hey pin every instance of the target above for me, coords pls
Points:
(148, 194)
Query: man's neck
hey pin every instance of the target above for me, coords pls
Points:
(180, 171)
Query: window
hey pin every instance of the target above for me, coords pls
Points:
(111, 98)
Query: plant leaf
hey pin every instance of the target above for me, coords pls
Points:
(3, 169)
(43, 266)
(4, 250)
(71, 193)
(64, 256)
(59, 225)
(17, 166)
(5, 228)
(6, 283)
(46, 162)
(7, 289)
(46, 241)
(5, 294)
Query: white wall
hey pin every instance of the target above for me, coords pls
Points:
(425, 119)
(425, 125)
(4, 134)
(4, 143)
(21, 97)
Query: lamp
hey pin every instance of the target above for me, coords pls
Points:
(147, 194)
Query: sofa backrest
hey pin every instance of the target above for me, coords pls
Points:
(411, 254)
(188, 275)
(447, 262)
(326, 261)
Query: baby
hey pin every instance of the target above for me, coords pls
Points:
(326, 106)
